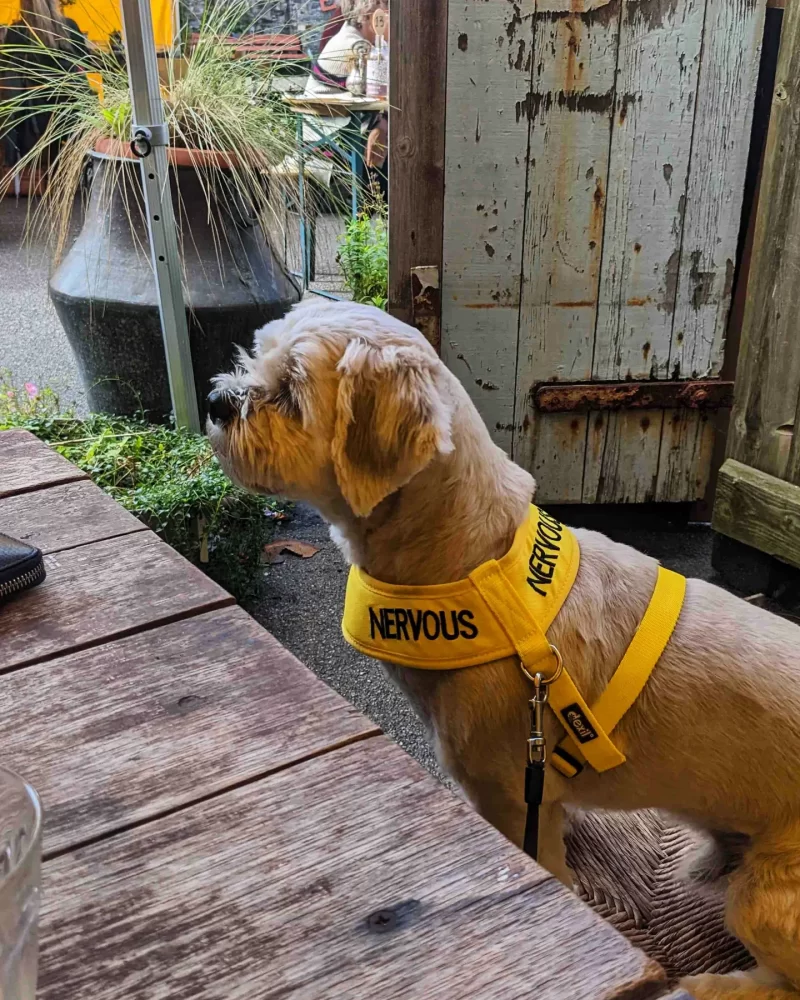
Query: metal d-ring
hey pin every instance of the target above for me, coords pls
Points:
(546, 681)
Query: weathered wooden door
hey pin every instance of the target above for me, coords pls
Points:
(594, 161)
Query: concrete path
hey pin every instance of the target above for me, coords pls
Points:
(33, 344)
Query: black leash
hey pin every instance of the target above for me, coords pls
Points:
(535, 769)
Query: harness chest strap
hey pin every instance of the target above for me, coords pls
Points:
(504, 608)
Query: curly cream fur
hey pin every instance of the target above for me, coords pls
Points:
(417, 493)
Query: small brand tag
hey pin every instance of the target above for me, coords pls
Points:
(578, 724)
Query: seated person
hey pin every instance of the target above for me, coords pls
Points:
(329, 76)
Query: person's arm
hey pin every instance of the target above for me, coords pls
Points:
(378, 144)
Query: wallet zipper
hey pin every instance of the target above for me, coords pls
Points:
(21, 582)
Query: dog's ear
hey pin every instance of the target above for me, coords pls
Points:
(391, 419)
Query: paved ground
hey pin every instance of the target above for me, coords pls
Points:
(32, 343)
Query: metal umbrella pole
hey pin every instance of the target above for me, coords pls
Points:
(149, 143)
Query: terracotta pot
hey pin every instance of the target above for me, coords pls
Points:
(32, 182)
(105, 295)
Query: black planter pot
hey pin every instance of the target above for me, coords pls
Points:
(105, 296)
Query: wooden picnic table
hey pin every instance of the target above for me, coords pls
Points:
(219, 824)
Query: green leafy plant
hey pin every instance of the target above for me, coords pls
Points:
(364, 255)
(167, 477)
(214, 101)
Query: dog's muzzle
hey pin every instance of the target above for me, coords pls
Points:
(221, 407)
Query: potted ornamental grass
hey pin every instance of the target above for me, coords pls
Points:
(231, 136)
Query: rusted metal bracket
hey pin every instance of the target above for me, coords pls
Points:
(581, 397)
(426, 303)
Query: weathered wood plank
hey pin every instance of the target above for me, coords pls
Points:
(658, 65)
(103, 591)
(622, 456)
(684, 461)
(62, 517)
(354, 874)
(762, 428)
(416, 140)
(27, 464)
(659, 59)
(720, 146)
(759, 510)
(488, 82)
(124, 732)
(570, 106)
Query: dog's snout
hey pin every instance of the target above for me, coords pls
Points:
(221, 407)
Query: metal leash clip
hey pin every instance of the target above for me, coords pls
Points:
(537, 753)
(537, 744)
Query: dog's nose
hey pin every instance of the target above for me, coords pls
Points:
(220, 407)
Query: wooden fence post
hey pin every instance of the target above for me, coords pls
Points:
(416, 151)
(758, 499)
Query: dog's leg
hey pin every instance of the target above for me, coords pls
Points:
(741, 986)
(764, 913)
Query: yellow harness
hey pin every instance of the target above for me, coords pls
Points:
(504, 608)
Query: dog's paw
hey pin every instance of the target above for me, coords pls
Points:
(739, 986)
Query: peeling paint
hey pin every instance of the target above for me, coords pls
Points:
(671, 281)
(730, 273)
(463, 41)
(703, 282)
(537, 103)
(489, 249)
(485, 384)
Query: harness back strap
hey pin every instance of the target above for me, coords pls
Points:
(626, 685)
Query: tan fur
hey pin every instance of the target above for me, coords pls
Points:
(391, 450)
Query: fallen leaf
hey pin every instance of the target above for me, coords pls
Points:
(273, 551)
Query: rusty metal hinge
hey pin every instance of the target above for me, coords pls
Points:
(426, 303)
(581, 397)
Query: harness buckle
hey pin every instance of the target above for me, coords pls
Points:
(546, 681)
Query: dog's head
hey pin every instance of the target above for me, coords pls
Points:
(335, 401)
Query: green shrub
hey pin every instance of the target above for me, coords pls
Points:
(167, 477)
(364, 256)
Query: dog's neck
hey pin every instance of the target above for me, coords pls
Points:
(460, 511)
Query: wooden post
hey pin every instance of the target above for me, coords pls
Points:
(416, 149)
(763, 445)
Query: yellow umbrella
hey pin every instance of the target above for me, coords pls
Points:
(99, 18)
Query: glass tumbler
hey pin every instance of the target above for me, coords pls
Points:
(20, 873)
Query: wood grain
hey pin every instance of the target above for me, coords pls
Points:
(759, 510)
(123, 732)
(762, 429)
(62, 517)
(571, 108)
(416, 148)
(99, 592)
(658, 67)
(353, 875)
(489, 70)
(724, 113)
(27, 464)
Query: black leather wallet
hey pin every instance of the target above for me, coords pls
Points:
(21, 566)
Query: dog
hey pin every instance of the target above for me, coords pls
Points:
(346, 408)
